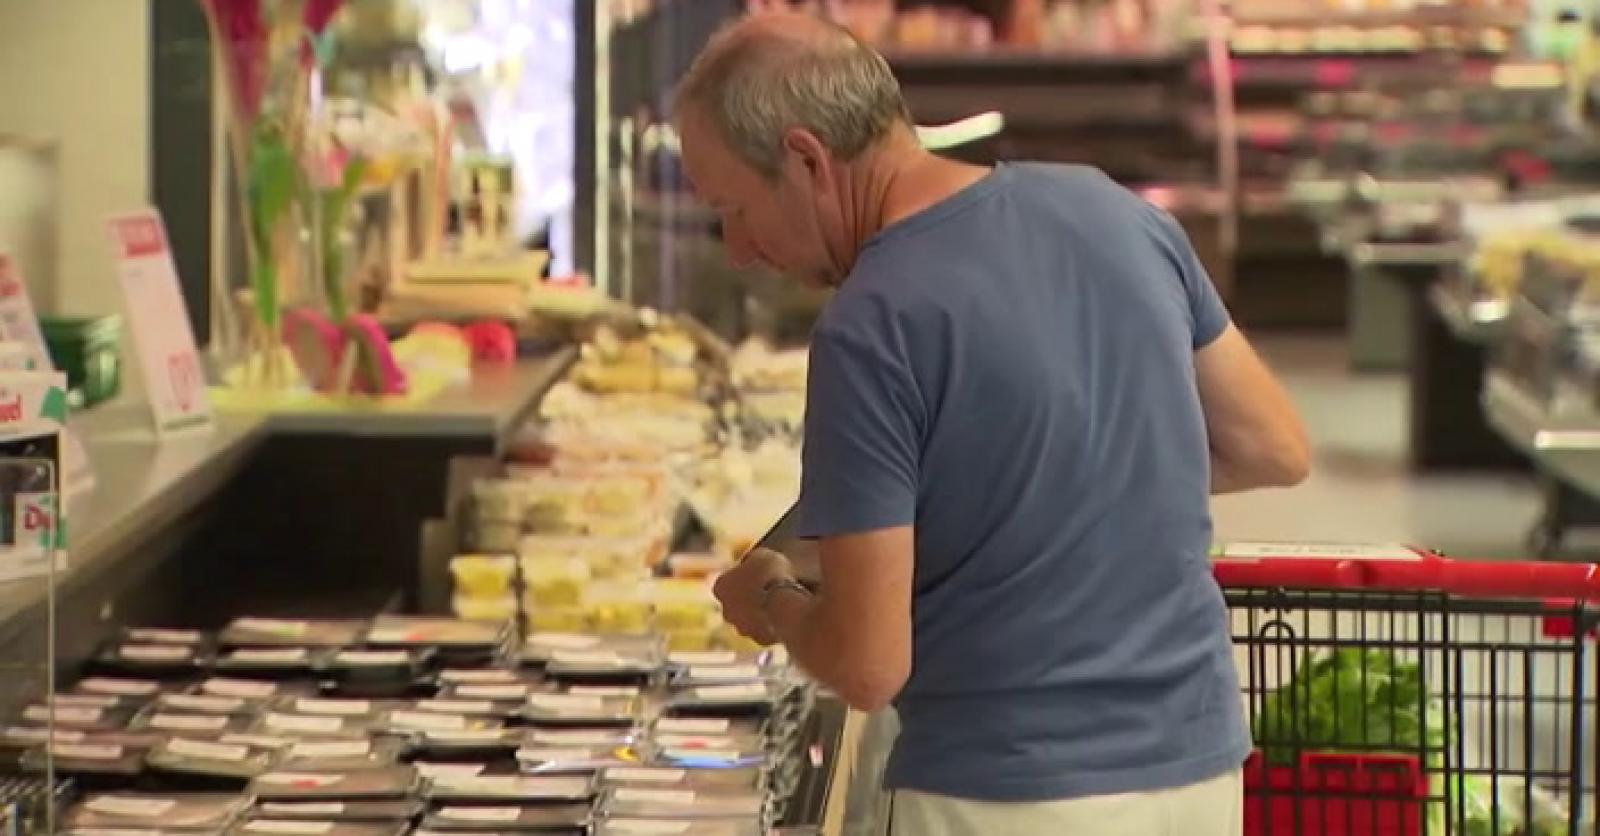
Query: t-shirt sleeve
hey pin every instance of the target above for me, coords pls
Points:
(1206, 309)
(862, 438)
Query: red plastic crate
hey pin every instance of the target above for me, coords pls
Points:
(1329, 794)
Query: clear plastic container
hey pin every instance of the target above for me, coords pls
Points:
(684, 606)
(554, 582)
(502, 500)
(619, 609)
(498, 609)
(557, 620)
(483, 576)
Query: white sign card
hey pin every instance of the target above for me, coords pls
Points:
(19, 327)
(36, 524)
(170, 362)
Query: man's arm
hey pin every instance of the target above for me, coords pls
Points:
(1257, 437)
(854, 635)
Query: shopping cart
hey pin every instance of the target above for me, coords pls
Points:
(1417, 696)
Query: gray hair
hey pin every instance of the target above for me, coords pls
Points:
(757, 79)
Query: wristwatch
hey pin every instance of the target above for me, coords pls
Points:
(775, 584)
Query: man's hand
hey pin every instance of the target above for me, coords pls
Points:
(740, 592)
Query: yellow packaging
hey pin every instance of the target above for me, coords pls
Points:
(483, 576)
(554, 582)
(557, 620)
(496, 609)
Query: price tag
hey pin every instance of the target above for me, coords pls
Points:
(160, 324)
(150, 636)
(467, 735)
(478, 677)
(566, 702)
(122, 805)
(305, 828)
(39, 734)
(64, 714)
(373, 657)
(620, 691)
(245, 688)
(439, 770)
(702, 755)
(578, 737)
(670, 797)
(456, 706)
(338, 708)
(685, 741)
(201, 702)
(425, 720)
(273, 656)
(648, 826)
(208, 751)
(304, 723)
(331, 749)
(120, 687)
(554, 755)
(86, 751)
(563, 641)
(271, 627)
(710, 657)
(188, 722)
(156, 652)
(86, 700)
(586, 657)
(483, 814)
(693, 725)
(647, 776)
(304, 780)
(303, 808)
(262, 741)
(493, 692)
(731, 693)
(724, 673)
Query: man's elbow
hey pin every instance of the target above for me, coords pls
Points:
(1282, 464)
(1290, 466)
(872, 690)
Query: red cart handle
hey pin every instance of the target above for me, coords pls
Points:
(1576, 581)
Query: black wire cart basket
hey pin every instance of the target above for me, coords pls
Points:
(1417, 696)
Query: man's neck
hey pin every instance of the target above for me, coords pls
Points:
(899, 181)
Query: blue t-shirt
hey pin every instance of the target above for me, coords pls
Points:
(1012, 371)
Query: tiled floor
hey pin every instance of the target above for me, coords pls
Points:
(1361, 489)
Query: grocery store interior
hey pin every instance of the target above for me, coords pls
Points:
(377, 404)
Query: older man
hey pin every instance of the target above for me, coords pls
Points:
(1021, 395)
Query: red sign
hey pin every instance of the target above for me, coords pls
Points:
(183, 371)
(9, 285)
(140, 236)
(11, 411)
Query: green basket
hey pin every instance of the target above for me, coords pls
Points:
(89, 350)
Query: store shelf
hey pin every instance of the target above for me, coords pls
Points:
(1369, 254)
(1036, 66)
(1567, 447)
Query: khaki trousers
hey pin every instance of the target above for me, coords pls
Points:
(1210, 808)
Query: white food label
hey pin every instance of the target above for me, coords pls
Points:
(673, 797)
(725, 673)
(273, 656)
(586, 657)
(341, 708)
(438, 770)
(151, 636)
(731, 693)
(39, 734)
(566, 702)
(63, 714)
(303, 808)
(624, 691)
(1331, 551)
(710, 657)
(121, 687)
(723, 755)
(303, 779)
(374, 657)
(485, 814)
(331, 749)
(651, 826)
(245, 688)
(492, 692)
(565, 641)
(209, 751)
(427, 720)
(575, 738)
(647, 776)
(694, 725)
(85, 700)
(86, 751)
(304, 723)
(467, 735)
(271, 626)
(555, 756)
(198, 702)
(456, 706)
(299, 827)
(122, 805)
(155, 652)
(539, 788)
(477, 676)
(265, 741)
(188, 722)
(683, 741)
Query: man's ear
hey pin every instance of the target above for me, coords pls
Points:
(807, 151)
